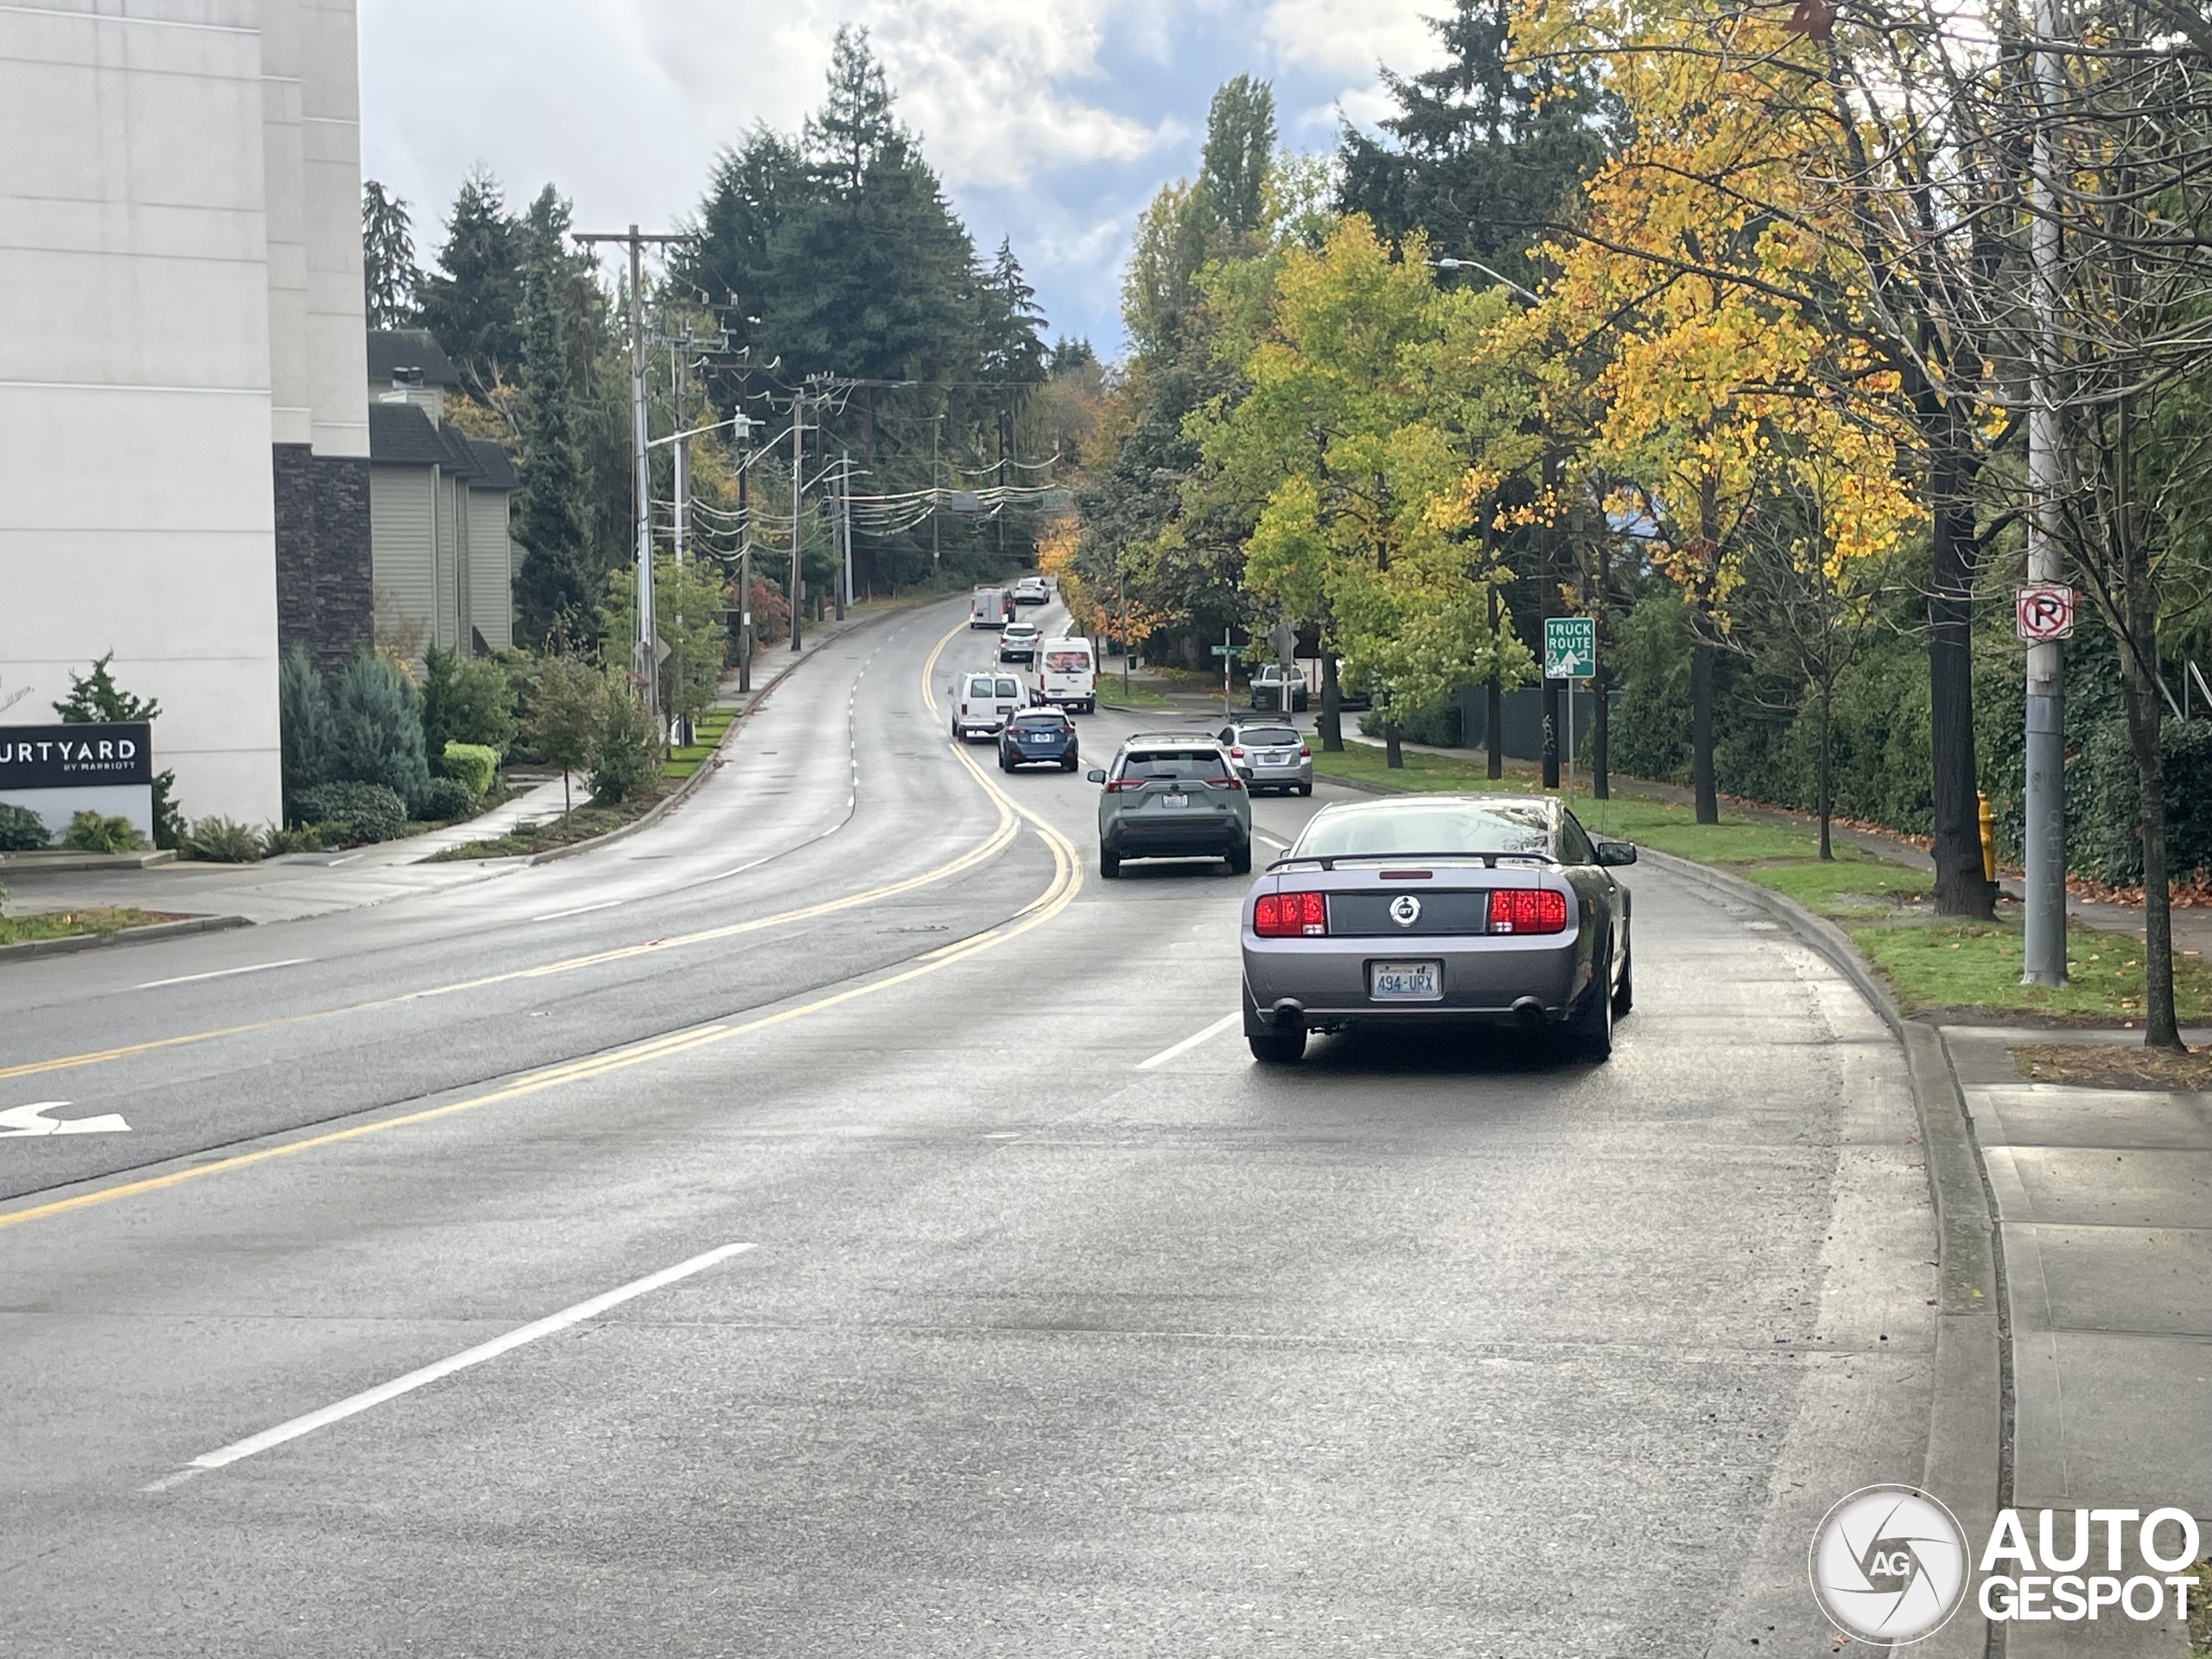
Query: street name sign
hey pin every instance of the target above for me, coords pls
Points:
(1570, 647)
(2043, 611)
(1225, 651)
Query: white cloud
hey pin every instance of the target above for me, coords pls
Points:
(1350, 36)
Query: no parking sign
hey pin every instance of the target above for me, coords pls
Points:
(2044, 612)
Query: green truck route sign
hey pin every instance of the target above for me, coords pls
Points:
(1570, 647)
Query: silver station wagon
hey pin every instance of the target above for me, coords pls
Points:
(1478, 910)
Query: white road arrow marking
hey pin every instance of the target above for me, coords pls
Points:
(32, 1120)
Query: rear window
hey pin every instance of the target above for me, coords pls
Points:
(1066, 662)
(1270, 737)
(1458, 826)
(1007, 688)
(1191, 764)
(1040, 722)
(980, 688)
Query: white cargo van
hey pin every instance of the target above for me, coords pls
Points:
(1063, 674)
(989, 608)
(983, 702)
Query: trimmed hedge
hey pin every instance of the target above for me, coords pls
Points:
(92, 832)
(449, 798)
(474, 764)
(369, 811)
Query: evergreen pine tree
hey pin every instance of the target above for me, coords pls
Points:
(472, 302)
(1014, 323)
(555, 582)
(1485, 152)
(388, 271)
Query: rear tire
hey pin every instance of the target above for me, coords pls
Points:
(1240, 860)
(1592, 1033)
(1071, 763)
(1625, 998)
(1109, 865)
(1306, 789)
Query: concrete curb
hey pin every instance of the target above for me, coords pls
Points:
(59, 863)
(712, 763)
(151, 933)
(1969, 1459)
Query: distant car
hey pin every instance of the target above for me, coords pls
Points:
(1268, 685)
(1018, 643)
(982, 703)
(1462, 909)
(1172, 795)
(1031, 590)
(1037, 735)
(1269, 754)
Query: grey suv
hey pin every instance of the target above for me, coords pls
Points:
(1172, 795)
(1270, 754)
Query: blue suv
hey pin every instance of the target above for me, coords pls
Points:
(1035, 736)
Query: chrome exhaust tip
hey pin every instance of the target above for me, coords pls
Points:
(1529, 1013)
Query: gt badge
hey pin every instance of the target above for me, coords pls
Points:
(1405, 910)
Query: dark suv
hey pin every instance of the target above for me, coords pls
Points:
(1172, 795)
(1038, 735)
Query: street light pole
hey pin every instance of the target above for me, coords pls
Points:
(2043, 955)
(641, 479)
(798, 580)
(744, 557)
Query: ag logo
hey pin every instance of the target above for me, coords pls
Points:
(1889, 1564)
(1405, 910)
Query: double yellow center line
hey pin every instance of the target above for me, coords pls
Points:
(1059, 893)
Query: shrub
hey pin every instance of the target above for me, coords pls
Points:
(96, 697)
(89, 832)
(220, 842)
(473, 764)
(367, 812)
(376, 730)
(303, 719)
(2103, 841)
(21, 830)
(467, 700)
(300, 838)
(626, 752)
(1429, 722)
(448, 798)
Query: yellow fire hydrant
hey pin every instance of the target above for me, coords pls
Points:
(1989, 838)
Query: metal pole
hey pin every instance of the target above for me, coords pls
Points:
(1567, 767)
(799, 459)
(744, 572)
(681, 488)
(845, 525)
(642, 480)
(2045, 946)
(1224, 674)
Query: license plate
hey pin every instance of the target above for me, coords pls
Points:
(1274, 760)
(1171, 802)
(1405, 981)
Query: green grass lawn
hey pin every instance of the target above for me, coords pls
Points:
(68, 923)
(581, 824)
(1929, 960)
(1139, 695)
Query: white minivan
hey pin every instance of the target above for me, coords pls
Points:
(1063, 675)
(983, 702)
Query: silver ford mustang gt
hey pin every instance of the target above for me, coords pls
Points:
(1478, 909)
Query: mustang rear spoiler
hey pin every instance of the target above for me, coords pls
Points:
(1486, 861)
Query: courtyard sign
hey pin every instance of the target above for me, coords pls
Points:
(76, 757)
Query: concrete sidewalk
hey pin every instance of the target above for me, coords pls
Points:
(303, 885)
(2104, 1210)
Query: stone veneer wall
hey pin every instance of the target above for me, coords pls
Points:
(323, 589)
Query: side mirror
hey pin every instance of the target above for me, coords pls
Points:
(1614, 852)
(1096, 776)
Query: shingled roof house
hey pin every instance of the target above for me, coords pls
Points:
(438, 504)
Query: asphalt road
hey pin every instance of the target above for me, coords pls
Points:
(1059, 1327)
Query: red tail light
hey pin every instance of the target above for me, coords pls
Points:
(1528, 909)
(1236, 753)
(1305, 754)
(1116, 784)
(1290, 915)
(1229, 783)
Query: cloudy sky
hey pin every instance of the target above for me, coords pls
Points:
(1052, 121)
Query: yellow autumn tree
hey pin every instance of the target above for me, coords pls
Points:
(1713, 379)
